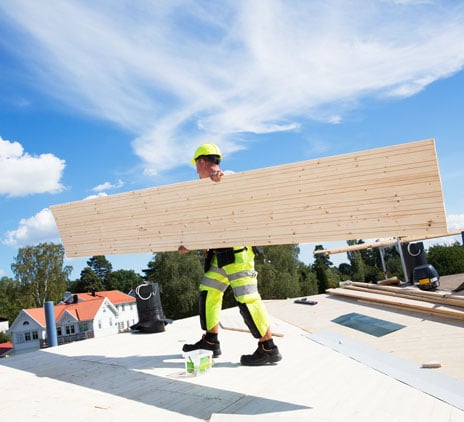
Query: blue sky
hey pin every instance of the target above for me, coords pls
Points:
(103, 97)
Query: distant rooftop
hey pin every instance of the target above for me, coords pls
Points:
(85, 308)
(5, 348)
(115, 296)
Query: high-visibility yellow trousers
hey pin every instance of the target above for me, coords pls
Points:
(242, 278)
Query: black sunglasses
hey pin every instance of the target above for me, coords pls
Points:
(211, 158)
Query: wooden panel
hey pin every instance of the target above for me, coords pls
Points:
(386, 243)
(402, 292)
(409, 304)
(391, 191)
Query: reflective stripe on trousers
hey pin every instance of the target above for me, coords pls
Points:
(242, 278)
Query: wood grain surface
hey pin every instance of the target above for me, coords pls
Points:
(391, 191)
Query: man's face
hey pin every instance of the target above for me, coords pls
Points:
(205, 168)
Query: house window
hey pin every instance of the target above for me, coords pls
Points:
(58, 331)
(99, 324)
(26, 323)
(70, 329)
(83, 327)
(27, 336)
(123, 307)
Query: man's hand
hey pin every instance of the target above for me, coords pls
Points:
(215, 176)
(182, 249)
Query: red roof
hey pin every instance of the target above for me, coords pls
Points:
(38, 314)
(5, 347)
(84, 310)
(115, 296)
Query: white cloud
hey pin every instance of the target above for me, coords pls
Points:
(455, 221)
(33, 230)
(22, 174)
(108, 186)
(177, 73)
(98, 195)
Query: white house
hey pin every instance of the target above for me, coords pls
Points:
(125, 305)
(81, 316)
(3, 325)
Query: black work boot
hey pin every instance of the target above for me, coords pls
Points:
(204, 344)
(266, 353)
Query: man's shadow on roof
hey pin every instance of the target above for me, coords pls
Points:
(114, 375)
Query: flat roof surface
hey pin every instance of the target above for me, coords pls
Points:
(329, 372)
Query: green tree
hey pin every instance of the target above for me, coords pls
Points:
(321, 267)
(102, 268)
(333, 276)
(39, 269)
(308, 280)
(87, 281)
(370, 256)
(372, 264)
(394, 267)
(4, 338)
(320, 270)
(10, 298)
(179, 276)
(278, 274)
(344, 269)
(124, 280)
(393, 262)
(447, 259)
(358, 266)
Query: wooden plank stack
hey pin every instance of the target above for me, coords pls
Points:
(385, 192)
(439, 303)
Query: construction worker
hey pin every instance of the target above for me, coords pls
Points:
(234, 267)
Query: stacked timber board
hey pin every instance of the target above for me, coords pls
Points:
(385, 192)
(439, 303)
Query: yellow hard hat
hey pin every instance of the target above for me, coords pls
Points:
(207, 149)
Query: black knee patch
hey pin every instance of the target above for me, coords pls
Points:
(249, 320)
(202, 309)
